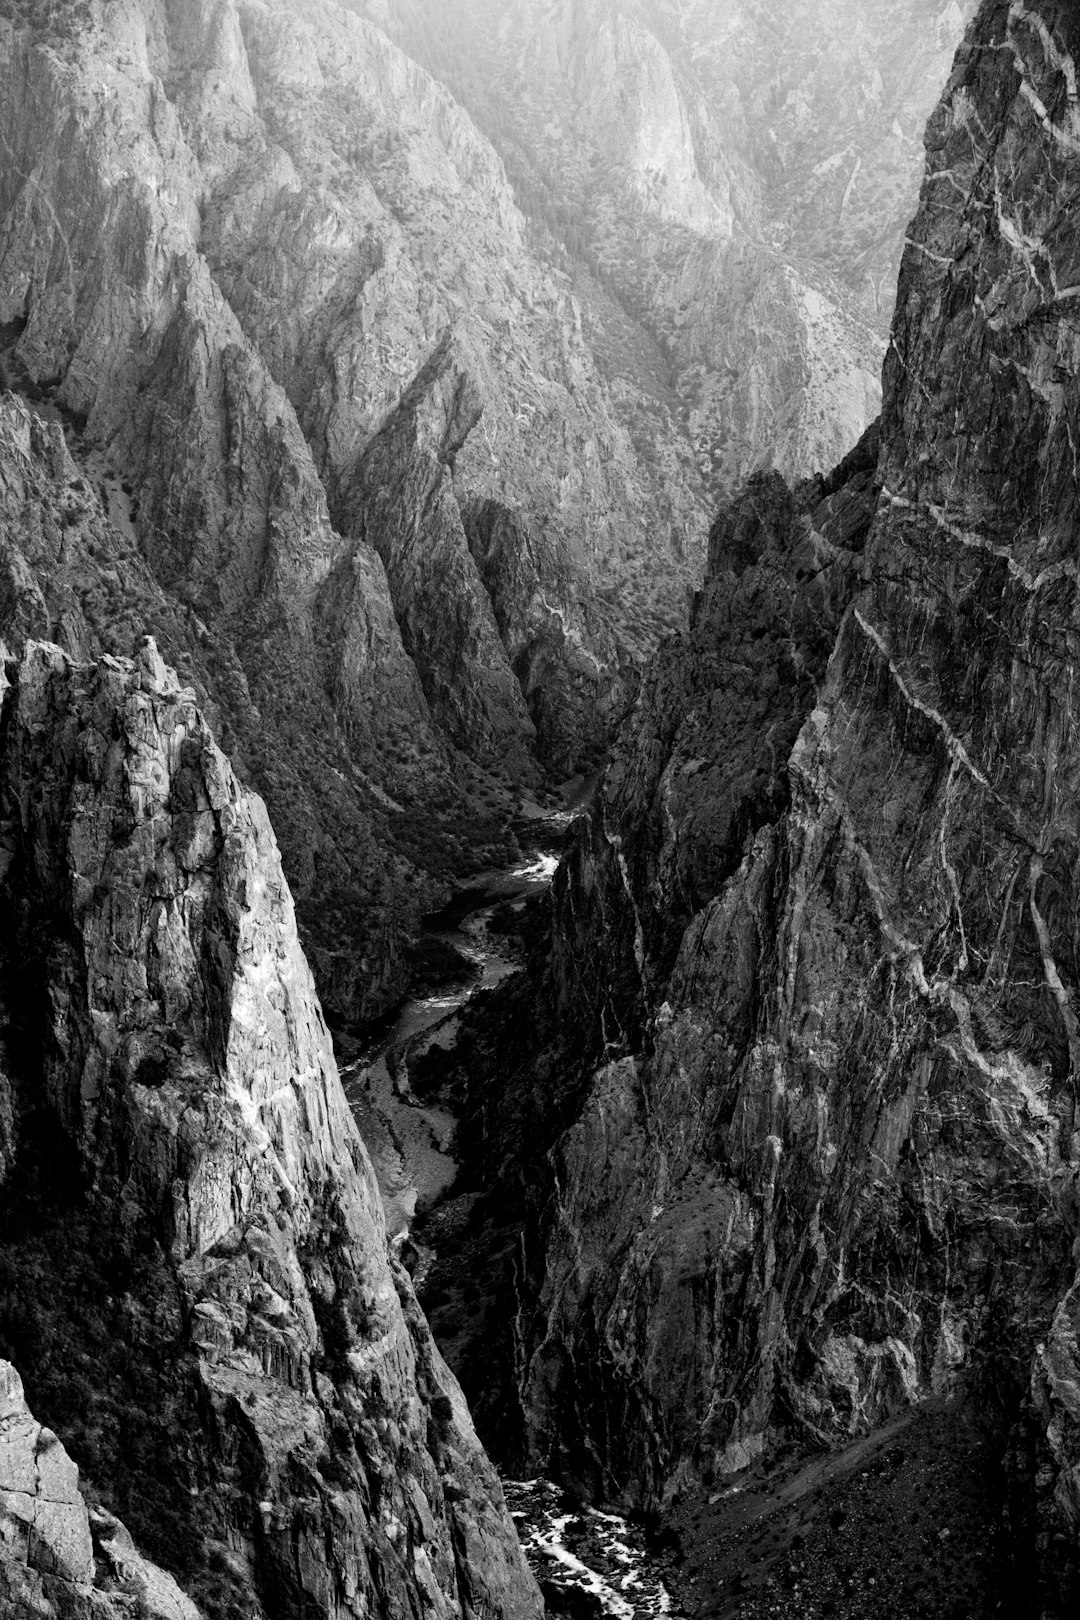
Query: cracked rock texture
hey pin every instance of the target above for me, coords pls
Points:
(60, 1560)
(826, 1160)
(196, 1280)
(400, 502)
(72, 571)
(702, 761)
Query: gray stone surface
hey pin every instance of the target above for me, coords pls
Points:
(189, 1071)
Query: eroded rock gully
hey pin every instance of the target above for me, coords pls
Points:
(804, 1141)
(196, 1282)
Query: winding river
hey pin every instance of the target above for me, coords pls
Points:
(588, 1563)
(410, 1142)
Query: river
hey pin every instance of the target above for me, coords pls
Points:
(410, 1143)
(588, 1563)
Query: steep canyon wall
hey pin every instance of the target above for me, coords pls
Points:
(196, 1279)
(829, 1166)
(238, 243)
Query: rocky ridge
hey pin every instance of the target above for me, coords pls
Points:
(74, 572)
(196, 1280)
(820, 1162)
(702, 760)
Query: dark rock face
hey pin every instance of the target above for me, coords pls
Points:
(576, 681)
(831, 1164)
(195, 1270)
(621, 900)
(702, 761)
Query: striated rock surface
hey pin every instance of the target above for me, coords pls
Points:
(74, 572)
(196, 1280)
(827, 1167)
(234, 238)
(578, 680)
(702, 761)
(400, 501)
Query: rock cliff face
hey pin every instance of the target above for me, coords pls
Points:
(234, 239)
(241, 239)
(401, 503)
(702, 761)
(830, 1165)
(61, 1560)
(74, 572)
(732, 181)
(197, 1286)
(701, 764)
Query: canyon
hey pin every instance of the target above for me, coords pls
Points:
(419, 454)
(404, 411)
(803, 1144)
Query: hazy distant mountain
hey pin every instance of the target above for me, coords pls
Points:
(729, 185)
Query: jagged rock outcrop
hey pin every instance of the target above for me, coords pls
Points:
(196, 1280)
(51, 1542)
(702, 761)
(832, 1169)
(73, 572)
(577, 679)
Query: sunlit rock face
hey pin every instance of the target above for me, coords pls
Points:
(215, 1324)
(625, 83)
(831, 1164)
